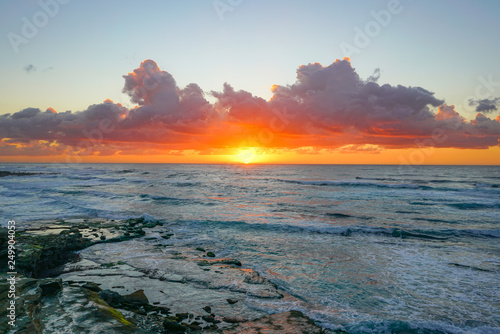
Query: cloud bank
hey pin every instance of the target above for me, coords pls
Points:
(328, 107)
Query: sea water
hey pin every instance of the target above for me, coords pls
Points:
(366, 248)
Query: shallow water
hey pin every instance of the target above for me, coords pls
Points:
(367, 248)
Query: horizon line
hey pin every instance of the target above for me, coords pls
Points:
(241, 164)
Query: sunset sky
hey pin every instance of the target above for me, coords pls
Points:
(240, 81)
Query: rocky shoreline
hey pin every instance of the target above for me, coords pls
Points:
(86, 276)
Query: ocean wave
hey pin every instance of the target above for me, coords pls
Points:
(353, 184)
(475, 188)
(14, 194)
(428, 234)
(49, 175)
(417, 181)
(376, 178)
(82, 211)
(163, 198)
(110, 179)
(126, 171)
(482, 233)
(486, 185)
(399, 326)
(474, 206)
(338, 215)
(84, 178)
(345, 216)
(175, 200)
(423, 203)
(433, 220)
(185, 184)
(447, 181)
(91, 193)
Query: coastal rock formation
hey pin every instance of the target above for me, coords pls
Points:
(134, 280)
(45, 248)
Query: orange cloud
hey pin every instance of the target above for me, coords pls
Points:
(328, 108)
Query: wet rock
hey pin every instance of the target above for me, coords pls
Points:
(253, 277)
(111, 297)
(176, 282)
(210, 319)
(194, 327)
(132, 222)
(140, 232)
(200, 249)
(44, 249)
(38, 254)
(137, 297)
(50, 286)
(226, 261)
(163, 310)
(71, 310)
(174, 327)
(203, 263)
(92, 287)
(210, 254)
(234, 320)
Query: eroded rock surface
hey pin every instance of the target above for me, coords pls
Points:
(45, 306)
(134, 277)
(177, 281)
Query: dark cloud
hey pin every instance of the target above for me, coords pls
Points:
(375, 76)
(328, 107)
(29, 68)
(485, 105)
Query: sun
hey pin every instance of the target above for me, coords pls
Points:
(247, 156)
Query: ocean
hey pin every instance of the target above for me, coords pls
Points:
(366, 248)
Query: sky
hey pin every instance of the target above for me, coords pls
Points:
(223, 81)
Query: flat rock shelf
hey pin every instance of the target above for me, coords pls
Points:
(106, 276)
